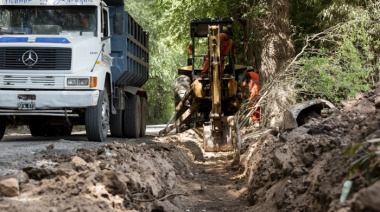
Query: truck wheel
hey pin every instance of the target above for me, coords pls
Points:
(50, 130)
(3, 125)
(132, 117)
(36, 130)
(59, 130)
(143, 116)
(181, 85)
(97, 119)
(116, 124)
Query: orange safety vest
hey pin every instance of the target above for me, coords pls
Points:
(253, 85)
(226, 44)
(254, 88)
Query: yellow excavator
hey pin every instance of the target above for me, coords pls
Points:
(209, 100)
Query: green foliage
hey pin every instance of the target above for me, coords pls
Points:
(336, 65)
(339, 63)
(167, 22)
(164, 58)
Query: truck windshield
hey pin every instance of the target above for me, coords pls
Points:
(43, 20)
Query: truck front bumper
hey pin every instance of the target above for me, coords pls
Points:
(10, 99)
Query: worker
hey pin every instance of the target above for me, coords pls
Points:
(252, 79)
(225, 43)
(86, 22)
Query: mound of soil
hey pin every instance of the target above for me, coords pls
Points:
(109, 178)
(300, 170)
(305, 169)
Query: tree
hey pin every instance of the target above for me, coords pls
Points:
(273, 49)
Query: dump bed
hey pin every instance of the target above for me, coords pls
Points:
(129, 51)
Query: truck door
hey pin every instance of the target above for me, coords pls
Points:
(105, 35)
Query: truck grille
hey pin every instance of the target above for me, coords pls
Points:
(31, 82)
(48, 58)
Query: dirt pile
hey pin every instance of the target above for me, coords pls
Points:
(114, 177)
(305, 170)
(300, 170)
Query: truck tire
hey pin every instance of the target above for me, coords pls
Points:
(37, 130)
(3, 125)
(97, 119)
(143, 116)
(181, 85)
(50, 130)
(116, 124)
(132, 117)
(60, 130)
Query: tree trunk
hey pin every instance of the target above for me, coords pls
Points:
(273, 49)
(247, 26)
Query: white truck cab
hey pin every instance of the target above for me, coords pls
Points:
(55, 66)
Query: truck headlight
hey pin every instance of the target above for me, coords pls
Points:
(72, 82)
(78, 82)
(83, 82)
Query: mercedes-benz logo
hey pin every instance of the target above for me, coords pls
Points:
(29, 58)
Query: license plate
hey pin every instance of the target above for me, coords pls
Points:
(26, 102)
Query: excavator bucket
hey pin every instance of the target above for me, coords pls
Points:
(217, 141)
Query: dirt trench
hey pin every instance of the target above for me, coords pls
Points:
(305, 169)
(159, 174)
(300, 170)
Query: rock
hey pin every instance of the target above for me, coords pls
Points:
(9, 188)
(297, 171)
(273, 176)
(377, 101)
(42, 173)
(117, 145)
(50, 147)
(79, 163)
(307, 158)
(21, 177)
(301, 189)
(343, 210)
(100, 151)
(112, 182)
(356, 127)
(359, 96)
(367, 199)
(282, 159)
(273, 131)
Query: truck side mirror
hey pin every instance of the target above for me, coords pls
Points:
(118, 25)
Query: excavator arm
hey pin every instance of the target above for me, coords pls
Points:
(216, 134)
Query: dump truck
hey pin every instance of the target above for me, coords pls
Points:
(208, 100)
(72, 62)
